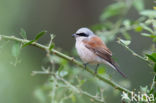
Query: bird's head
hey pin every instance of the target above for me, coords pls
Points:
(83, 33)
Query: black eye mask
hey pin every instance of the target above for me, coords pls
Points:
(82, 34)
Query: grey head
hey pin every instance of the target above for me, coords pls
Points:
(83, 32)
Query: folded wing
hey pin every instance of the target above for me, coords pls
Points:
(96, 45)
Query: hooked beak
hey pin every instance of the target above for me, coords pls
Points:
(73, 35)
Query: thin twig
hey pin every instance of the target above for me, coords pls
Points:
(153, 83)
(71, 59)
(77, 90)
(133, 53)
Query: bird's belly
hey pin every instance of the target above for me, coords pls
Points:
(86, 55)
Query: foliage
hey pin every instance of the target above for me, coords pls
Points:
(67, 84)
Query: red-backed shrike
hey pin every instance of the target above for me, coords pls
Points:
(91, 49)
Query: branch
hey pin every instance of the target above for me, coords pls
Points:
(69, 86)
(133, 53)
(153, 83)
(71, 59)
(96, 98)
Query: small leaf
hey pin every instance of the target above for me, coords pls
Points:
(148, 13)
(52, 36)
(40, 35)
(36, 38)
(139, 5)
(23, 33)
(152, 56)
(125, 42)
(113, 10)
(82, 82)
(149, 21)
(97, 27)
(101, 70)
(73, 98)
(155, 78)
(60, 68)
(63, 73)
(145, 34)
(127, 23)
(127, 36)
(51, 46)
(151, 91)
(145, 27)
(39, 94)
(154, 40)
(16, 49)
(150, 36)
(138, 29)
(26, 44)
(154, 68)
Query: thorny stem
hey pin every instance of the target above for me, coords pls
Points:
(71, 59)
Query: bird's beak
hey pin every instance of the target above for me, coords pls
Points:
(73, 35)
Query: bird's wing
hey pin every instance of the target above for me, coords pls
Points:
(96, 45)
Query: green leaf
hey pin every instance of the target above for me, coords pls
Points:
(154, 40)
(40, 35)
(145, 27)
(139, 5)
(154, 68)
(152, 56)
(63, 73)
(151, 91)
(150, 36)
(60, 68)
(82, 82)
(127, 36)
(138, 29)
(39, 94)
(127, 23)
(36, 38)
(145, 34)
(51, 46)
(155, 78)
(23, 33)
(30, 42)
(101, 70)
(16, 49)
(97, 27)
(112, 10)
(125, 42)
(148, 13)
(73, 98)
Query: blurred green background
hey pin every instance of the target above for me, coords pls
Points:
(62, 18)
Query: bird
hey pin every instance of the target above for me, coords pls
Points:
(92, 50)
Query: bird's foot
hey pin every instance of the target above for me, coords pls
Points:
(96, 69)
(85, 65)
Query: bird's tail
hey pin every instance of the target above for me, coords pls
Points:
(115, 67)
(118, 70)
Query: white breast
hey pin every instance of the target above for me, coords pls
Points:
(85, 54)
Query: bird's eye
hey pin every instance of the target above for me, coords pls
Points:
(83, 34)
